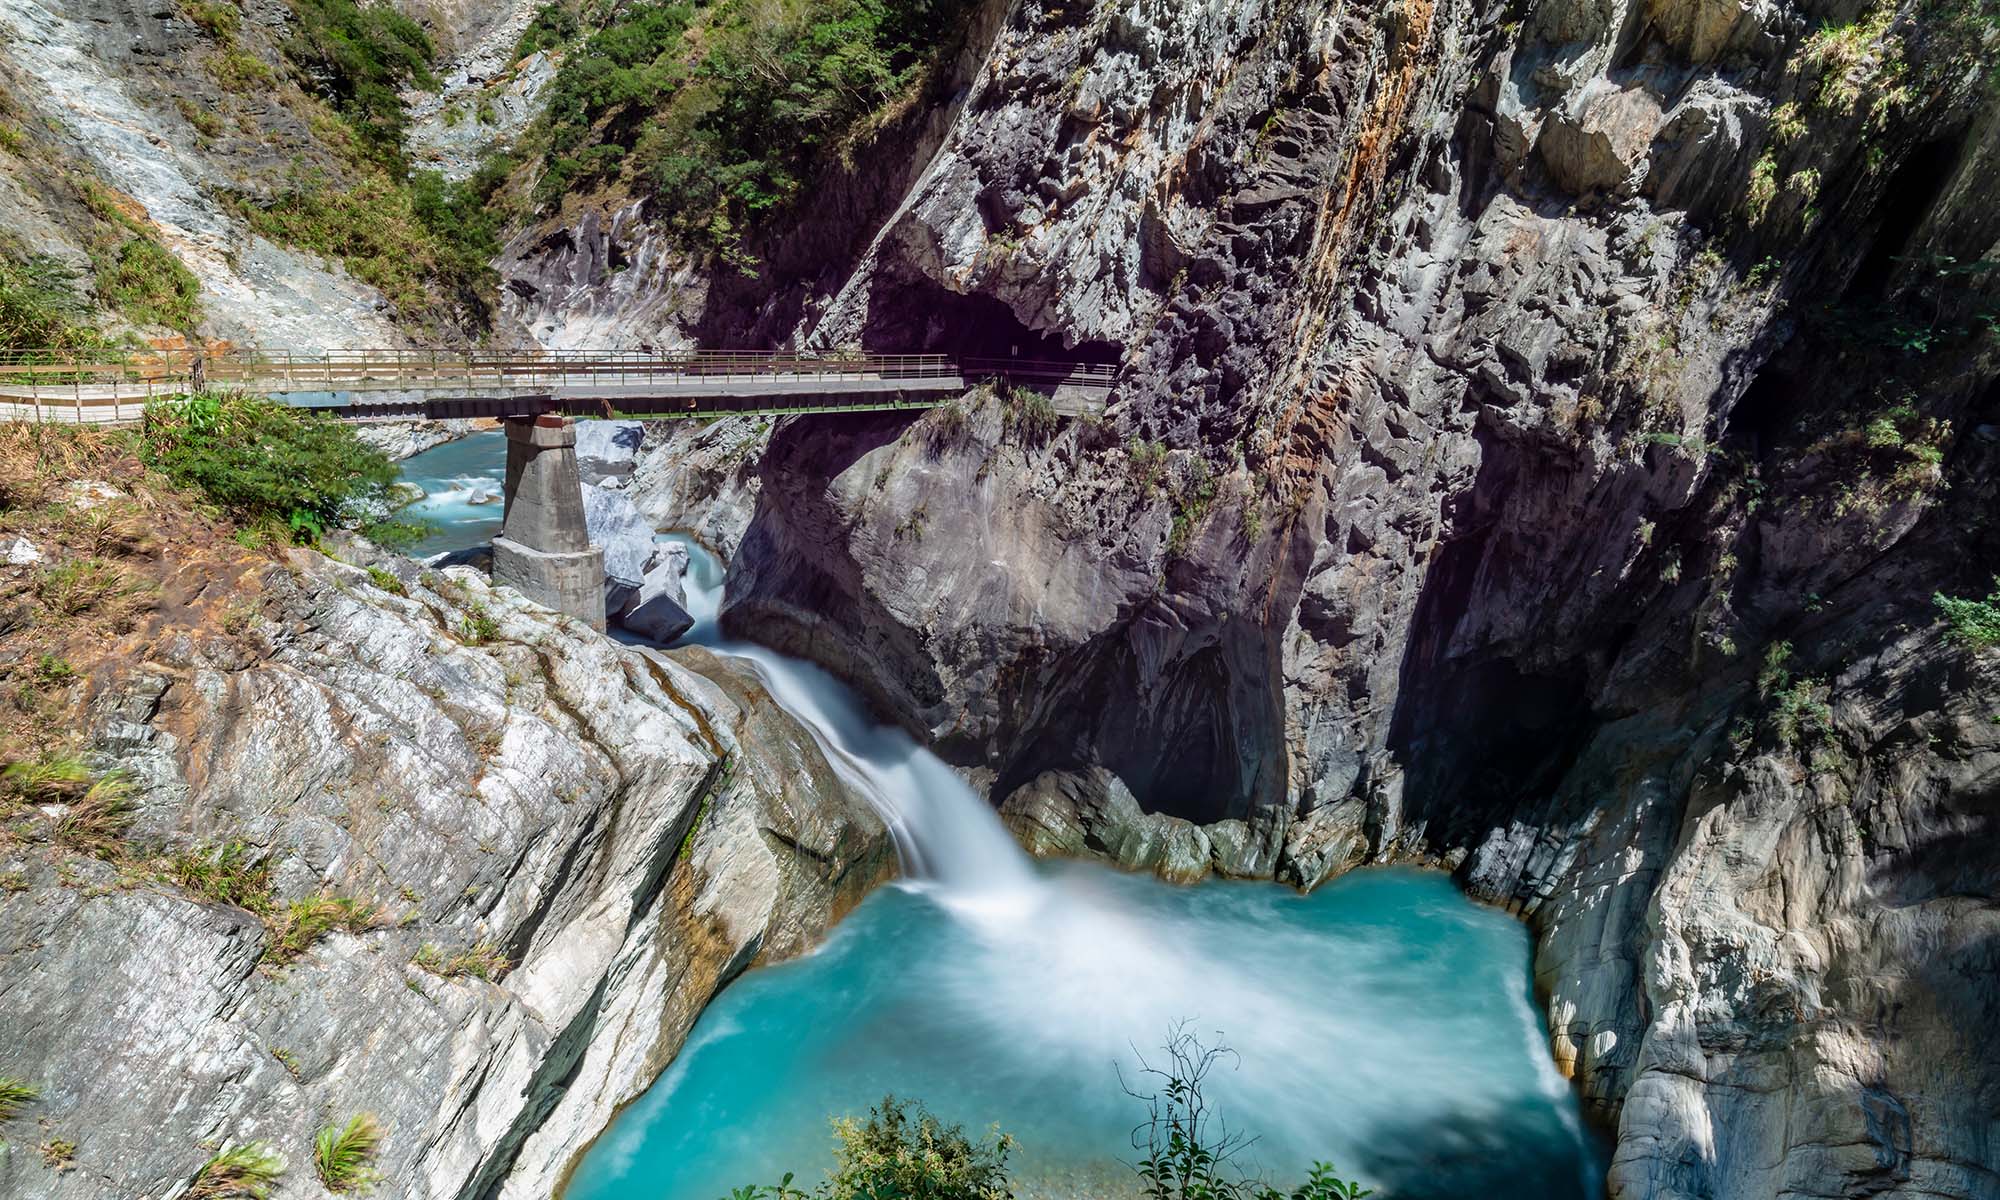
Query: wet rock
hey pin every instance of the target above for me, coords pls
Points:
(658, 610)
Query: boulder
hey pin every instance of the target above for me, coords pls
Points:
(658, 610)
(1596, 144)
(21, 552)
(616, 525)
(607, 450)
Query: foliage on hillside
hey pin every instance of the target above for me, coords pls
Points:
(422, 242)
(726, 111)
(40, 308)
(358, 58)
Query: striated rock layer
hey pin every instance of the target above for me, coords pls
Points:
(1540, 437)
(630, 829)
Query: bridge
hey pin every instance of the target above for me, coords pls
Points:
(437, 384)
(543, 549)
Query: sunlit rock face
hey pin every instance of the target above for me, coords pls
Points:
(1474, 454)
(627, 830)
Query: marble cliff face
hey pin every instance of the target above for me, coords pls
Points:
(1542, 433)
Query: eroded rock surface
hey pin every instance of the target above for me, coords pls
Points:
(629, 829)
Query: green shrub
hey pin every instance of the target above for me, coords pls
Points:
(555, 26)
(729, 123)
(1030, 413)
(232, 873)
(266, 462)
(387, 582)
(1145, 460)
(1975, 623)
(425, 243)
(145, 281)
(360, 57)
(902, 1151)
(40, 308)
(345, 1155)
(246, 1172)
(220, 19)
(478, 627)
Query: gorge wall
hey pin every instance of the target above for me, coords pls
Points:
(1542, 431)
(1541, 436)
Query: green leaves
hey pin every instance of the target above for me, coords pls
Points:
(361, 58)
(1975, 623)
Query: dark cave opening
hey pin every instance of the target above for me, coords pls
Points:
(1764, 411)
(1478, 732)
(1909, 197)
(917, 316)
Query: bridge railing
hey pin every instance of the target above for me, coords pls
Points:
(116, 380)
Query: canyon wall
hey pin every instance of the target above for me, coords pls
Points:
(1540, 437)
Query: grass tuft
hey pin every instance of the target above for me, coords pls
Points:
(246, 1172)
(304, 922)
(15, 1095)
(482, 960)
(345, 1155)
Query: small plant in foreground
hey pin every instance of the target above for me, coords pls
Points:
(49, 777)
(344, 1155)
(387, 582)
(478, 627)
(901, 1150)
(245, 1172)
(1186, 1148)
(58, 1154)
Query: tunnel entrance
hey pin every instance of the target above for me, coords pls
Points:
(910, 316)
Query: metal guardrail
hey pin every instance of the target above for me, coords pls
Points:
(80, 381)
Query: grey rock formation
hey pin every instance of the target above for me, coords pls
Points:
(549, 793)
(402, 439)
(626, 538)
(606, 451)
(659, 609)
(1483, 437)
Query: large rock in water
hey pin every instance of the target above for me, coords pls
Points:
(627, 538)
(607, 450)
(659, 609)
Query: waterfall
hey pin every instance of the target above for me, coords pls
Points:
(946, 836)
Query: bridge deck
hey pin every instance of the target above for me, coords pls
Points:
(48, 386)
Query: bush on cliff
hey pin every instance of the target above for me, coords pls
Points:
(727, 110)
(40, 308)
(265, 463)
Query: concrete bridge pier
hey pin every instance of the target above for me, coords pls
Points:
(543, 550)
